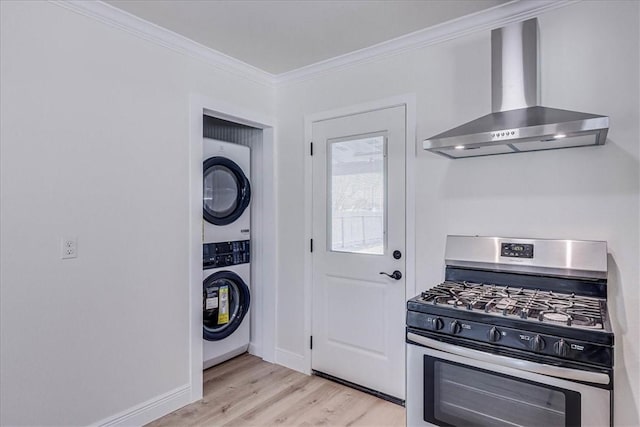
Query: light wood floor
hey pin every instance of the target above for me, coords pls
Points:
(247, 391)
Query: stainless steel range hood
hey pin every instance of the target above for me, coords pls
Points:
(517, 122)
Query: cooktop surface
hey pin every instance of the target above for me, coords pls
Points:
(552, 308)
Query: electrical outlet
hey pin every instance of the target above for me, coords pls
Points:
(69, 247)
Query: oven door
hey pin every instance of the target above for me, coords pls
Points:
(450, 385)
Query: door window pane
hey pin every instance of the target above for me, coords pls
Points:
(357, 187)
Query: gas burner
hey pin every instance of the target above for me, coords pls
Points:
(556, 317)
(504, 303)
(528, 304)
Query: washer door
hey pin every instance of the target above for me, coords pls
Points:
(226, 191)
(225, 302)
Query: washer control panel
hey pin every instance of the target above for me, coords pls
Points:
(224, 254)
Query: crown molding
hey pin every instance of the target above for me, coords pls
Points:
(487, 19)
(118, 18)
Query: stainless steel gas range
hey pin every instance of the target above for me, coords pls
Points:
(517, 335)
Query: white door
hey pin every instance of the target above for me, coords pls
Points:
(358, 224)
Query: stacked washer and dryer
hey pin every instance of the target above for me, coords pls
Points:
(226, 294)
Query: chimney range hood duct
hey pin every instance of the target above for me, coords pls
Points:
(517, 122)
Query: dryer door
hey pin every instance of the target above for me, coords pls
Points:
(226, 191)
(225, 302)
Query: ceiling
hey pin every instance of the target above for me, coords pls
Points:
(282, 35)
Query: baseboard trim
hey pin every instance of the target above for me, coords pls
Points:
(150, 410)
(291, 360)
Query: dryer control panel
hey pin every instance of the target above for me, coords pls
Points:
(223, 254)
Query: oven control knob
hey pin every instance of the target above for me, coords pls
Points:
(494, 334)
(455, 327)
(561, 348)
(437, 324)
(537, 343)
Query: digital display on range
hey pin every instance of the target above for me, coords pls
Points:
(516, 250)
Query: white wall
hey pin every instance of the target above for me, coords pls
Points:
(589, 62)
(95, 134)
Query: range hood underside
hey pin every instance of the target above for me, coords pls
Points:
(525, 129)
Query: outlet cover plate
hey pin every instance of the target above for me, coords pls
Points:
(69, 247)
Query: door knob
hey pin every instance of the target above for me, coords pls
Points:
(395, 275)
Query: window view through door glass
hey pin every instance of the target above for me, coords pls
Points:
(357, 195)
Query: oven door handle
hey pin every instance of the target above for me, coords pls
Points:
(525, 365)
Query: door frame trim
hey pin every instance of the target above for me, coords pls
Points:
(263, 296)
(409, 102)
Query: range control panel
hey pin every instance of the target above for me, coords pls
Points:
(516, 250)
(514, 338)
(224, 254)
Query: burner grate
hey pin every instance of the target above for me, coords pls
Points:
(530, 304)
